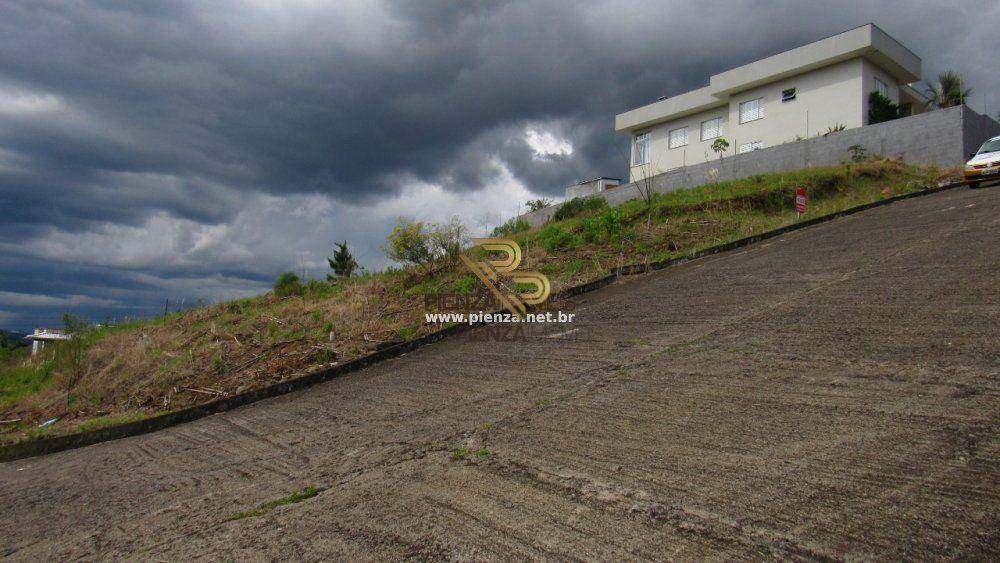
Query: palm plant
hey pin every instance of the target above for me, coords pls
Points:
(720, 146)
(948, 92)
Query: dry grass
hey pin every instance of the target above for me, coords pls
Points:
(200, 355)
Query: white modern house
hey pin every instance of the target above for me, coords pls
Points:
(793, 95)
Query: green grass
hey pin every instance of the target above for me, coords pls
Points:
(19, 378)
(589, 242)
(679, 223)
(465, 453)
(106, 421)
(268, 506)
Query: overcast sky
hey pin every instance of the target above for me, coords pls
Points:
(194, 150)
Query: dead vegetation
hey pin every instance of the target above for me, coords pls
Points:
(142, 369)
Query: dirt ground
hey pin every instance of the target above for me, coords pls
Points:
(832, 394)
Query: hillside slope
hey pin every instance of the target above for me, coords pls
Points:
(129, 372)
(829, 394)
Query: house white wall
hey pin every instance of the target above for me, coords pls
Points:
(824, 97)
(662, 158)
(832, 77)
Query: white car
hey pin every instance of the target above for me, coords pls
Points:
(985, 164)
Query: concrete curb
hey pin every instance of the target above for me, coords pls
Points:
(55, 444)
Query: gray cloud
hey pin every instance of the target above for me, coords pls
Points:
(180, 140)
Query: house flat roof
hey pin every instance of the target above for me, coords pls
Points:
(868, 41)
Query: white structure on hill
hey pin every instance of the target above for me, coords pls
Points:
(796, 94)
(43, 335)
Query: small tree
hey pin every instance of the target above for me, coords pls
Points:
(73, 351)
(410, 243)
(949, 91)
(644, 184)
(881, 109)
(720, 146)
(447, 239)
(536, 204)
(342, 262)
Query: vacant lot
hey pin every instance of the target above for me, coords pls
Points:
(133, 371)
(829, 394)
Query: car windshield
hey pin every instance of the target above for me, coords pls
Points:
(993, 145)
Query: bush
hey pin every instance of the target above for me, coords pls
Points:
(288, 284)
(554, 238)
(413, 242)
(410, 243)
(604, 227)
(536, 204)
(579, 205)
(858, 152)
(881, 109)
(447, 239)
(513, 226)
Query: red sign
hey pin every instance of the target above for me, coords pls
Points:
(800, 200)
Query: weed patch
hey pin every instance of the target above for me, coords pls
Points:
(577, 206)
(263, 509)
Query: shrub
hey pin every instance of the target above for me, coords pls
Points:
(881, 109)
(858, 152)
(603, 227)
(288, 284)
(554, 238)
(410, 243)
(447, 239)
(413, 242)
(579, 205)
(513, 226)
(536, 204)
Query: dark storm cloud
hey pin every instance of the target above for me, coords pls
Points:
(118, 114)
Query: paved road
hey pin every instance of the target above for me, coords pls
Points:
(829, 394)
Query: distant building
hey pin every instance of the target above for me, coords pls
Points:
(796, 94)
(592, 186)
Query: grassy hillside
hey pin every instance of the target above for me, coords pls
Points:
(138, 370)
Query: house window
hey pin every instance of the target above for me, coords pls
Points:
(881, 88)
(640, 149)
(678, 137)
(788, 95)
(711, 129)
(751, 146)
(751, 110)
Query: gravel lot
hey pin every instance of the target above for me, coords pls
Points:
(829, 394)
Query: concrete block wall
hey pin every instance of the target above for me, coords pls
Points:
(941, 137)
(976, 129)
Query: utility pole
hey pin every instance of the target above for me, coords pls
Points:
(166, 304)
